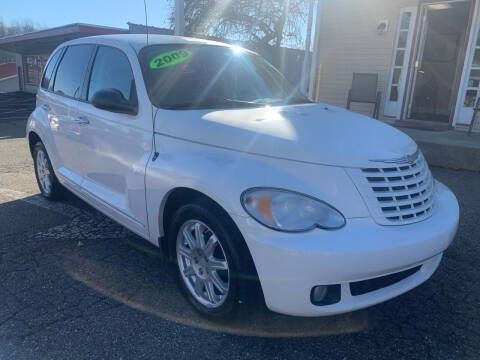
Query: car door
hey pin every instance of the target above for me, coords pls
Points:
(44, 100)
(67, 128)
(118, 144)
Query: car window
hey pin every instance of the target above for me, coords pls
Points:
(71, 71)
(112, 70)
(209, 76)
(47, 82)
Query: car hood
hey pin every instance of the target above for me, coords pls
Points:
(313, 133)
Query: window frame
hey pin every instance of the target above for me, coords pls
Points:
(88, 78)
(54, 71)
(81, 98)
(393, 108)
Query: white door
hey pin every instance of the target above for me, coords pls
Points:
(401, 56)
(118, 144)
(470, 89)
(66, 130)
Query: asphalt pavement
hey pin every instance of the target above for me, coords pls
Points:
(76, 285)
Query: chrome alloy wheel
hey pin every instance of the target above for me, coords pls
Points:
(43, 172)
(203, 264)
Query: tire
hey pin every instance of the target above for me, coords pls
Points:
(241, 278)
(49, 186)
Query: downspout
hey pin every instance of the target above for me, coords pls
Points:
(315, 65)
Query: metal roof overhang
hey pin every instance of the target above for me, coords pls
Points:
(45, 41)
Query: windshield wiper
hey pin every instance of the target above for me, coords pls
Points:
(254, 103)
(211, 103)
(288, 101)
(299, 101)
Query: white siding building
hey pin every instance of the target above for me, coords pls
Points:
(424, 52)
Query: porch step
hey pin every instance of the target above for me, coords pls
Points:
(451, 149)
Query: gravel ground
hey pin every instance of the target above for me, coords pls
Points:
(73, 284)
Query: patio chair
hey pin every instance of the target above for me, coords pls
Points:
(364, 90)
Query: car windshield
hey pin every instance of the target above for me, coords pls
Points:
(180, 76)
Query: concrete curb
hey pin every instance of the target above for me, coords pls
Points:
(451, 149)
(451, 156)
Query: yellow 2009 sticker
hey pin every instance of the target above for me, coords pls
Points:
(170, 58)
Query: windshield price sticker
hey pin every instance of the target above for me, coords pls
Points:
(170, 58)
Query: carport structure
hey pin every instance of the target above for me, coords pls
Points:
(31, 50)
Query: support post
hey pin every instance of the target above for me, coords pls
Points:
(305, 69)
(179, 18)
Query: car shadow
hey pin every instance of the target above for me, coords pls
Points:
(147, 282)
(71, 238)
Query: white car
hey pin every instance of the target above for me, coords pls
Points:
(205, 150)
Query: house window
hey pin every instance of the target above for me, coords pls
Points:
(33, 68)
(473, 84)
(6, 58)
(401, 55)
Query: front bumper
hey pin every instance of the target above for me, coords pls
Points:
(290, 265)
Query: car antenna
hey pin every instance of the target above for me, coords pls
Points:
(155, 152)
(146, 17)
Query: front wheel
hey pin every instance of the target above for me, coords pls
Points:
(213, 263)
(203, 264)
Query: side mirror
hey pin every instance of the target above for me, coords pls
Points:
(114, 101)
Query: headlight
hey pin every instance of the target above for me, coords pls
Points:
(290, 211)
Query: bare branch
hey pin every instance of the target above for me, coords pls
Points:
(267, 22)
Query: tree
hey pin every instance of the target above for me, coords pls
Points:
(263, 22)
(18, 27)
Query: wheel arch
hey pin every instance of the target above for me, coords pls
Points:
(180, 196)
(176, 198)
(33, 138)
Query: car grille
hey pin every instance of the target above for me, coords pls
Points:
(397, 194)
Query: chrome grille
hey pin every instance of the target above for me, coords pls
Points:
(397, 195)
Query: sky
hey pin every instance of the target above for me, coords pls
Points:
(116, 13)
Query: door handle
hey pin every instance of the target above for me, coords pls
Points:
(81, 120)
(46, 107)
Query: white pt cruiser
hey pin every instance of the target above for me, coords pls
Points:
(205, 150)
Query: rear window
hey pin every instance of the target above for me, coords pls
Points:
(47, 81)
(71, 70)
(180, 76)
